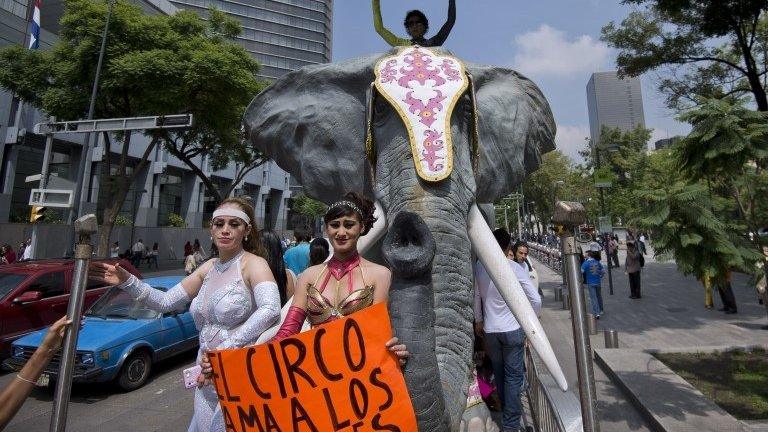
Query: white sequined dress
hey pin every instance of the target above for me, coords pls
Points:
(228, 315)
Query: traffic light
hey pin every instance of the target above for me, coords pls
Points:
(37, 213)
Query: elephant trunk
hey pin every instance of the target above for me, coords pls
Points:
(409, 249)
(430, 308)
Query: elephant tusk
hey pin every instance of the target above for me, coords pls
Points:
(503, 277)
(378, 229)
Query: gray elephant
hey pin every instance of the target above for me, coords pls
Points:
(314, 123)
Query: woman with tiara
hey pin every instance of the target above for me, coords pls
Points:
(345, 284)
(234, 297)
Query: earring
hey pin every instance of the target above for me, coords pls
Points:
(211, 237)
(246, 238)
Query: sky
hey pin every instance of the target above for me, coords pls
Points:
(556, 43)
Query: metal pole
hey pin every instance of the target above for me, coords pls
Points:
(605, 247)
(587, 392)
(85, 227)
(506, 220)
(605, 239)
(43, 185)
(77, 208)
(519, 221)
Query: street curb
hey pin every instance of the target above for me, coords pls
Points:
(663, 390)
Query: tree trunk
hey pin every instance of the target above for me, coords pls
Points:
(122, 185)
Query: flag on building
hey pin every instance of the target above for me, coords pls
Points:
(34, 27)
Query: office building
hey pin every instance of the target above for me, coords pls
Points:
(613, 102)
(666, 142)
(281, 35)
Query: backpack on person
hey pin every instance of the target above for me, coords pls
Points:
(642, 261)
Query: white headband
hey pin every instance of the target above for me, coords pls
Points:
(229, 211)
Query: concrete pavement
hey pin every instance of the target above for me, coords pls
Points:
(670, 316)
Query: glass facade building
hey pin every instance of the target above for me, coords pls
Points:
(282, 35)
(614, 102)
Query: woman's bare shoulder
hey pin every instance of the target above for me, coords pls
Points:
(375, 270)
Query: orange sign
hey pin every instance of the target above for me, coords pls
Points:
(336, 377)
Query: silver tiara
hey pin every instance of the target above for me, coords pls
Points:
(345, 203)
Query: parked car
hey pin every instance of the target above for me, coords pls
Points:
(120, 340)
(34, 294)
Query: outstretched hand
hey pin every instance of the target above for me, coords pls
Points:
(108, 273)
(399, 350)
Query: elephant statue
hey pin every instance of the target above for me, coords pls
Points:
(327, 126)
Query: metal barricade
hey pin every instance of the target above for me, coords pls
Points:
(551, 409)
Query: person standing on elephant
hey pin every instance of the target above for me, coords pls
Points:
(359, 283)
(504, 338)
(416, 24)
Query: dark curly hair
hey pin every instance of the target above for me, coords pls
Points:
(419, 14)
(364, 204)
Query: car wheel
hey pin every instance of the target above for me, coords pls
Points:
(135, 371)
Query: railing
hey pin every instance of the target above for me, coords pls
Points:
(551, 409)
(550, 257)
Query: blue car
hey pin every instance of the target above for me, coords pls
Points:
(120, 339)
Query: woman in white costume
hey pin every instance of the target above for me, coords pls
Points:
(234, 297)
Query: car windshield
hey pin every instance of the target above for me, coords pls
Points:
(9, 282)
(116, 303)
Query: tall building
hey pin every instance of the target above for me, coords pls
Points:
(613, 102)
(281, 35)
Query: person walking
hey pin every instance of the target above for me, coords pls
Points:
(632, 265)
(505, 339)
(593, 272)
(641, 244)
(723, 281)
(187, 249)
(613, 252)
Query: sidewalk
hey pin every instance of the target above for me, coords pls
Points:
(670, 316)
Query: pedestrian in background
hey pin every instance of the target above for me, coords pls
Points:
(504, 338)
(319, 251)
(114, 251)
(613, 252)
(723, 281)
(187, 249)
(641, 244)
(286, 280)
(27, 255)
(593, 272)
(297, 257)
(632, 266)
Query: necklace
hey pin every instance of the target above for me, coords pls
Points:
(222, 266)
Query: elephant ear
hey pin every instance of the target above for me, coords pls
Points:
(311, 122)
(515, 127)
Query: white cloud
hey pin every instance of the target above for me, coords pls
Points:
(570, 139)
(546, 51)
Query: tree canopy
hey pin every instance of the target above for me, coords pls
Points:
(710, 48)
(154, 65)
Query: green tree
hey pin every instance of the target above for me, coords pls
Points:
(154, 65)
(305, 205)
(556, 178)
(711, 48)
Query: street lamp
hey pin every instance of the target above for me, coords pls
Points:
(606, 236)
(136, 195)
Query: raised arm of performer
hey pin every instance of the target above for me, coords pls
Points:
(387, 35)
(445, 30)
